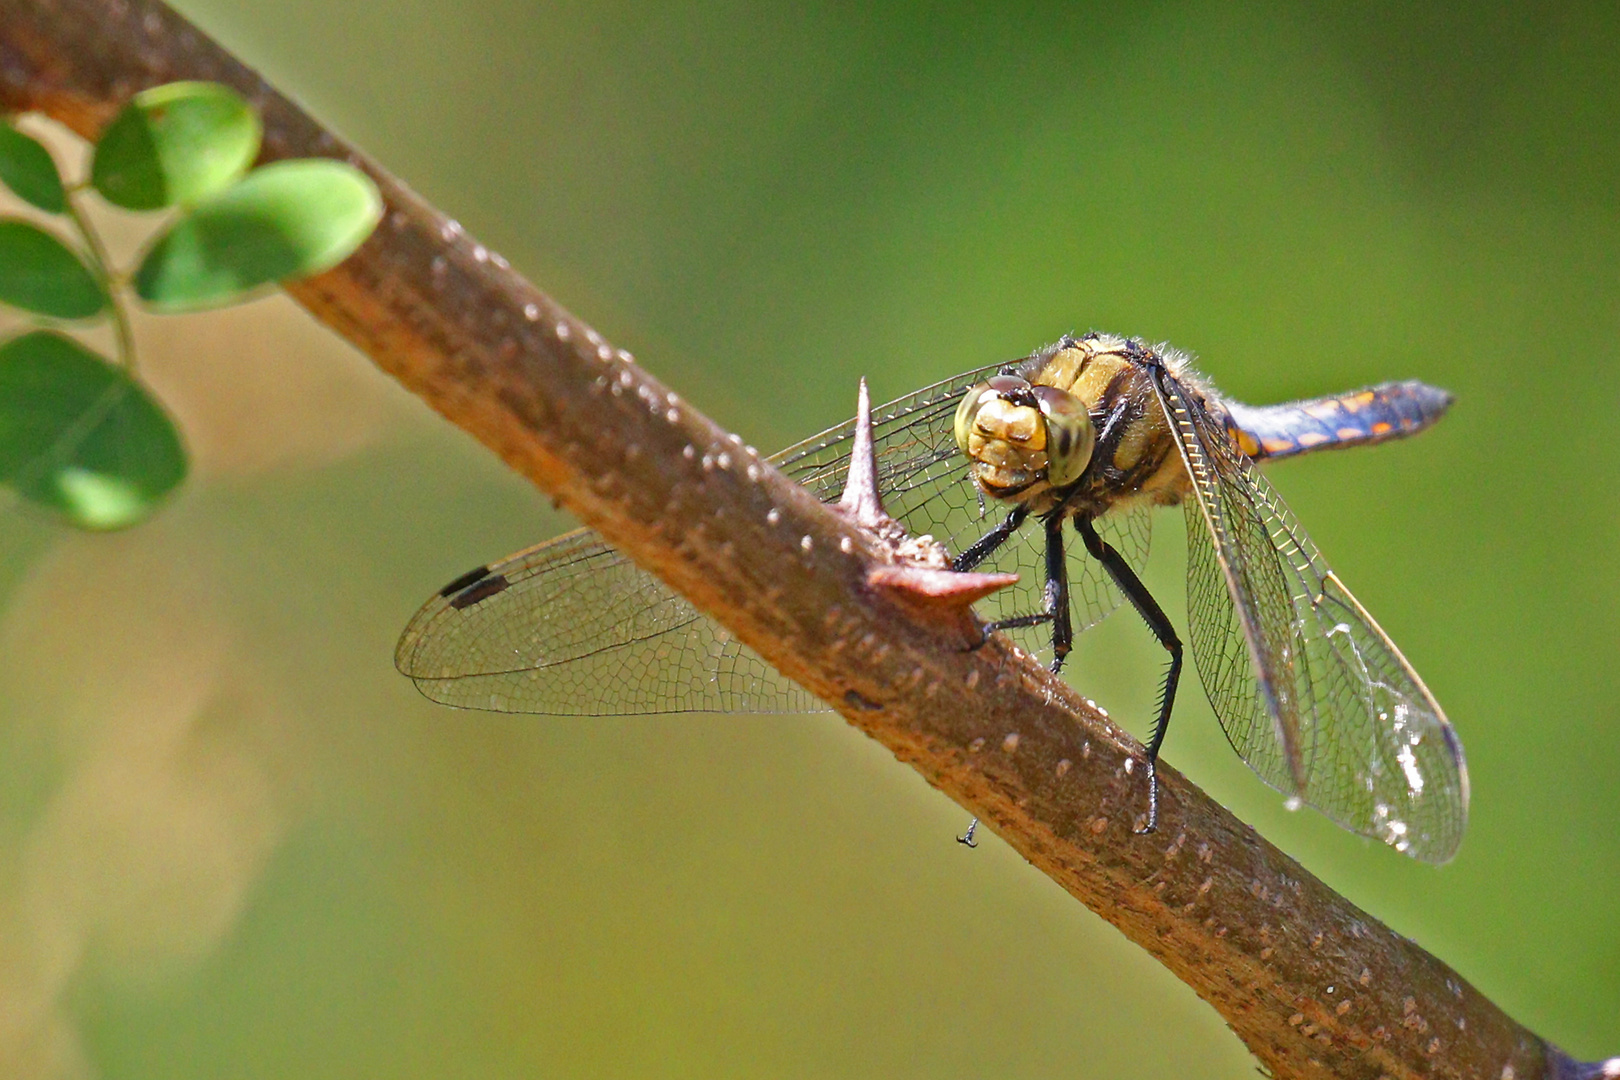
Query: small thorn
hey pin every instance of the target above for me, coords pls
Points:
(926, 587)
(860, 501)
(944, 598)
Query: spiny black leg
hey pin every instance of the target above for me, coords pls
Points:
(982, 549)
(1057, 593)
(986, 545)
(1055, 607)
(1159, 623)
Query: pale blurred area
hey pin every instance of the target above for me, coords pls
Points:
(177, 765)
(234, 842)
(166, 805)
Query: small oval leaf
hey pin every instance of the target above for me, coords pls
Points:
(29, 171)
(173, 145)
(38, 273)
(286, 220)
(80, 436)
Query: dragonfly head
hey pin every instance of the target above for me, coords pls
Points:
(1017, 435)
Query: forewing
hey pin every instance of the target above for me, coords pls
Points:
(574, 627)
(1310, 691)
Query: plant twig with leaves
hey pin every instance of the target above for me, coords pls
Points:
(83, 435)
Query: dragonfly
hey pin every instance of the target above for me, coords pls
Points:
(1088, 435)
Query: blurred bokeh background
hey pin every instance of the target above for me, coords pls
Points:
(233, 842)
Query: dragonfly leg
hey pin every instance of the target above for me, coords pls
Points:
(982, 549)
(1057, 592)
(986, 545)
(1055, 608)
(1159, 623)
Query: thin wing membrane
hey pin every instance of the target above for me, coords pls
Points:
(1309, 690)
(573, 627)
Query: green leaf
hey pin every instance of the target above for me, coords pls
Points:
(28, 170)
(39, 273)
(175, 145)
(80, 436)
(287, 220)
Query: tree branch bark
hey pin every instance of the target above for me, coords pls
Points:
(1312, 985)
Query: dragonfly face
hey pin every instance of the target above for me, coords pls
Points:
(1088, 434)
(1017, 435)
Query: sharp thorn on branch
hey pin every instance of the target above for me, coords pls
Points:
(861, 502)
(915, 571)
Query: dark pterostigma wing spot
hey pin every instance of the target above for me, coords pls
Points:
(464, 580)
(484, 589)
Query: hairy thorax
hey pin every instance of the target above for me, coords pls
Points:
(1134, 460)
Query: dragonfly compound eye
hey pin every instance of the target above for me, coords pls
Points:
(1070, 436)
(968, 412)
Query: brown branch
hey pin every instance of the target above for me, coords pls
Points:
(1311, 984)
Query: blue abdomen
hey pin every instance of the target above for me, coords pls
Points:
(1388, 411)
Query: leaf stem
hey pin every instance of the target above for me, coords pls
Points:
(100, 266)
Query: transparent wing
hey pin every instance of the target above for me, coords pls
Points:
(573, 627)
(1310, 691)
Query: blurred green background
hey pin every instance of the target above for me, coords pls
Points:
(233, 842)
